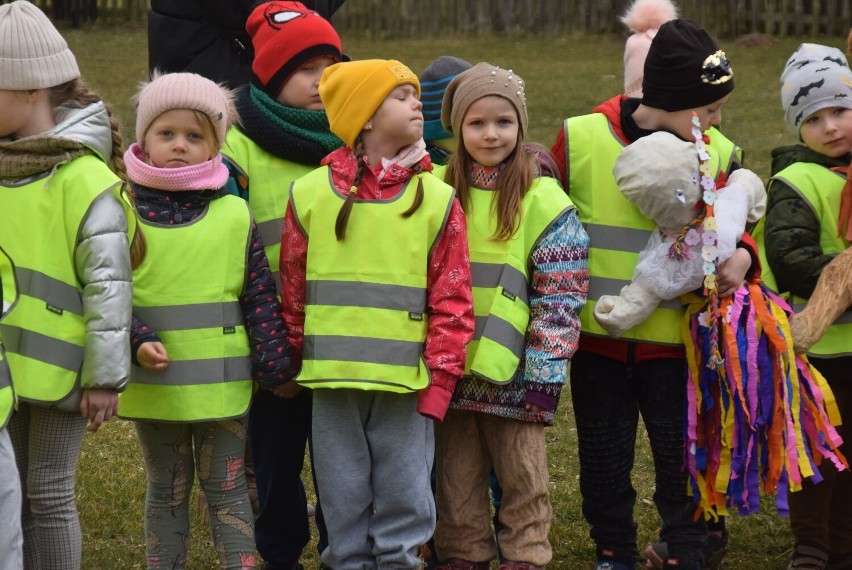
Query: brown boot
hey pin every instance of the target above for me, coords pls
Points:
(806, 557)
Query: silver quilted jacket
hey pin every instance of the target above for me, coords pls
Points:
(102, 261)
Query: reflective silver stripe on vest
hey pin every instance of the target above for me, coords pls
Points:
(270, 231)
(372, 295)
(5, 377)
(42, 348)
(600, 286)
(501, 332)
(616, 238)
(360, 349)
(196, 372)
(50, 290)
(492, 275)
(187, 317)
(844, 319)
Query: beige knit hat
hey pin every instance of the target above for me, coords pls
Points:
(482, 80)
(184, 91)
(33, 54)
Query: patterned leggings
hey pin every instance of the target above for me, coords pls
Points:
(173, 452)
(47, 444)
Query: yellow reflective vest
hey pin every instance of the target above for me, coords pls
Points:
(10, 295)
(45, 331)
(821, 188)
(617, 229)
(501, 277)
(728, 151)
(269, 179)
(365, 304)
(189, 294)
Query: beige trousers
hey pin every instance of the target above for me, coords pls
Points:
(467, 445)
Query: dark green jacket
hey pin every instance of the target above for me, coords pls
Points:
(792, 228)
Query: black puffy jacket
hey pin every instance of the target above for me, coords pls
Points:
(208, 37)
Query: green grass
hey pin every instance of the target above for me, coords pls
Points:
(564, 77)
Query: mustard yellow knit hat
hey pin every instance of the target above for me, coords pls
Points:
(352, 91)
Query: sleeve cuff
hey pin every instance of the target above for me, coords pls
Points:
(433, 402)
(545, 396)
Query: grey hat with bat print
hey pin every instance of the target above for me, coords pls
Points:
(815, 77)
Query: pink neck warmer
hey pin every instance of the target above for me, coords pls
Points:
(209, 175)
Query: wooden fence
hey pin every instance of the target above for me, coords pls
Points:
(724, 18)
(422, 18)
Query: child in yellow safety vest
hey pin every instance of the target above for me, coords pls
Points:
(808, 223)
(65, 232)
(530, 279)
(283, 134)
(206, 320)
(377, 303)
(11, 536)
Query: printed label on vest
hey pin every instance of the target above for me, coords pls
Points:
(509, 295)
(53, 309)
(415, 316)
(229, 330)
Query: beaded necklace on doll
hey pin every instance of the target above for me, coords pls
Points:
(702, 230)
(710, 247)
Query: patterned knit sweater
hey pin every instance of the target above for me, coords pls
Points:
(559, 284)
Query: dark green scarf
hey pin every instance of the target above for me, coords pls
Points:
(293, 134)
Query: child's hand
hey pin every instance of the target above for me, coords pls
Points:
(732, 272)
(533, 408)
(99, 405)
(152, 356)
(286, 390)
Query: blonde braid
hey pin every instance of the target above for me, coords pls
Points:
(346, 208)
(418, 197)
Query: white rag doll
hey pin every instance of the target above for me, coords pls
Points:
(659, 174)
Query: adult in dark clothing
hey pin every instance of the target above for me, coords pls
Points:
(208, 37)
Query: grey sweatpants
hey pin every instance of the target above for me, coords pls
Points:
(11, 538)
(373, 454)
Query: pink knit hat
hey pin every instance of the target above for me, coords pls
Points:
(644, 18)
(184, 91)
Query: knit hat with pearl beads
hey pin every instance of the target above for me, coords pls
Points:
(482, 80)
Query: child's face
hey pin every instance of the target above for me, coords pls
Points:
(399, 119)
(828, 131)
(709, 116)
(301, 90)
(17, 116)
(490, 130)
(176, 139)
